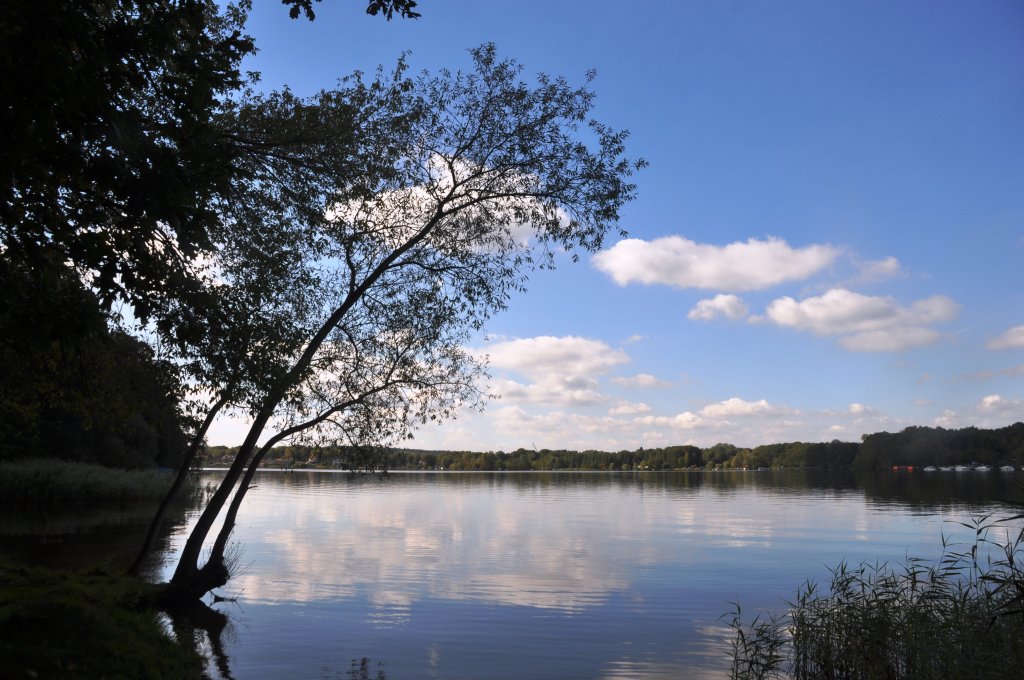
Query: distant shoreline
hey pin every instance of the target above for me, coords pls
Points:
(913, 447)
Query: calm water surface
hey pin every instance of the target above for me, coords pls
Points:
(552, 575)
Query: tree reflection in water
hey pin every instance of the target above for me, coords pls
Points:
(202, 626)
(360, 670)
(194, 621)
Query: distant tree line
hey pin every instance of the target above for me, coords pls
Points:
(922, 446)
(916, 446)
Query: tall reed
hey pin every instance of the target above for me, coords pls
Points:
(54, 481)
(960, 617)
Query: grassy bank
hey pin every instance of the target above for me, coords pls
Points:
(53, 481)
(961, 617)
(92, 624)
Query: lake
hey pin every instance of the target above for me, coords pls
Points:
(552, 575)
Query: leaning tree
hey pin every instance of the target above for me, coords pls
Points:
(452, 188)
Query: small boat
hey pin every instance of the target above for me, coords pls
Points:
(930, 468)
(946, 468)
(1007, 468)
(982, 468)
(962, 468)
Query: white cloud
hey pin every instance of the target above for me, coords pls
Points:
(866, 323)
(991, 411)
(629, 408)
(890, 340)
(981, 376)
(991, 402)
(879, 270)
(858, 409)
(550, 428)
(1011, 339)
(562, 370)
(681, 421)
(995, 410)
(558, 390)
(995, 402)
(682, 263)
(712, 416)
(736, 407)
(641, 380)
(948, 419)
(565, 356)
(729, 306)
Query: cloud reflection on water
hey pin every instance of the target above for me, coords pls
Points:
(419, 543)
(401, 542)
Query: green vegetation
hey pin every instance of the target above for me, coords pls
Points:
(918, 446)
(962, 617)
(921, 446)
(93, 624)
(74, 388)
(53, 481)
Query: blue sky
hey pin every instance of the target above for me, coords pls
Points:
(828, 240)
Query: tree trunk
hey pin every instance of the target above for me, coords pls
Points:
(220, 544)
(189, 580)
(179, 480)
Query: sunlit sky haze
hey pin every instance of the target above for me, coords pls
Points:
(828, 241)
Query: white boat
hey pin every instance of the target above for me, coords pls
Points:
(962, 468)
(982, 468)
(946, 468)
(930, 468)
(1007, 468)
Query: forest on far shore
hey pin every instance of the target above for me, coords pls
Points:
(913, 446)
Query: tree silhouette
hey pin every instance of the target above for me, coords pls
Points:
(456, 187)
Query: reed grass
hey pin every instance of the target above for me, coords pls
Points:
(959, 617)
(54, 481)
